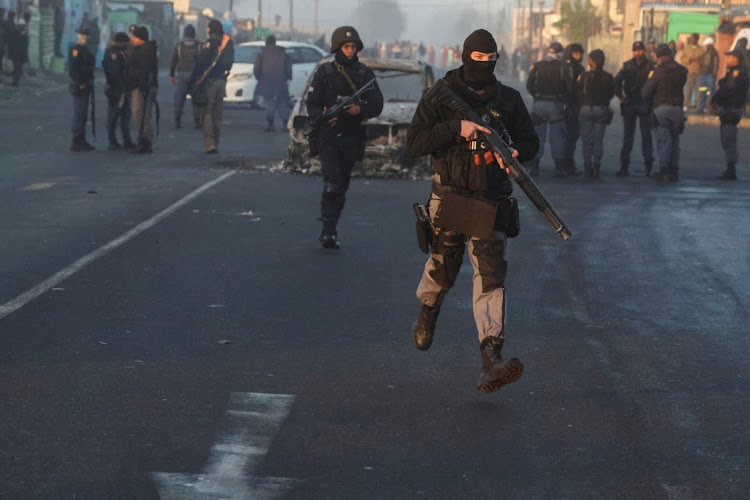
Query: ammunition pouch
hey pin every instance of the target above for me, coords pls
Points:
(425, 234)
(463, 214)
(507, 218)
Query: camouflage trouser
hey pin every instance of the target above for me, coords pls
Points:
(488, 257)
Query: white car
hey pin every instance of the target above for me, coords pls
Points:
(241, 82)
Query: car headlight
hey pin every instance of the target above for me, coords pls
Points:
(237, 77)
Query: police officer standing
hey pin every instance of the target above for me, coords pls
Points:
(628, 84)
(273, 71)
(212, 68)
(143, 68)
(81, 72)
(663, 92)
(114, 64)
(341, 142)
(730, 97)
(551, 87)
(595, 89)
(181, 66)
(573, 55)
(467, 175)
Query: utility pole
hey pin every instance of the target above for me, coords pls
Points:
(531, 26)
(315, 18)
(291, 16)
(260, 13)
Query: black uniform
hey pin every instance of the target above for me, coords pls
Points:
(596, 88)
(114, 64)
(143, 68)
(628, 84)
(340, 146)
(664, 93)
(730, 97)
(572, 127)
(81, 72)
(551, 85)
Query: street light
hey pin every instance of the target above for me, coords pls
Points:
(541, 23)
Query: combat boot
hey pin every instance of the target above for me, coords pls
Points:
(128, 143)
(80, 144)
(560, 169)
(671, 175)
(730, 174)
(269, 127)
(570, 168)
(496, 371)
(623, 172)
(143, 147)
(424, 329)
(177, 122)
(595, 170)
(329, 237)
(587, 171)
(648, 168)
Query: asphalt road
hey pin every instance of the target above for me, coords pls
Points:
(183, 335)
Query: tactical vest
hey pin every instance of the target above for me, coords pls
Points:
(549, 79)
(464, 168)
(186, 56)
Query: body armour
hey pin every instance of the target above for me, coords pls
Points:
(435, 130)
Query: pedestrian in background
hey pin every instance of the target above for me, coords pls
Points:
(273, 72)
(730, 98)
(691, 59)
(573, 55)
(81, 73)
(634, 110)
(596, 88)
(18, 48)
(663, 92)
(143, 73)
(551, 87)
(3, 39)
(709, 66)
(341, 141)
(115, 66)
(181, 67)
(211, 70)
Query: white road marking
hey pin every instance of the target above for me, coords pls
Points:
(37, 186)
(250, 423)
(76, 266)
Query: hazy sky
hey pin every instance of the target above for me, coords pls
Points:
(430, 21)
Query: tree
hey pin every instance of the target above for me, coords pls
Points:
(379, 20)
(580, 20)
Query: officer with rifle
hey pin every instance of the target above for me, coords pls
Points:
(476, 129)
(81, 72)
(340, 140)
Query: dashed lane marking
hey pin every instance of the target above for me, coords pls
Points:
(87, 259)
(37, 186)
(250, 423)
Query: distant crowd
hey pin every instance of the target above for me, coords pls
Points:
(14, 44)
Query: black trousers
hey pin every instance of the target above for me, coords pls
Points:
(338, 153)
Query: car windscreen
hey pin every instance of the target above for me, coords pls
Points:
(246, 53)
(303, 55)
(399, 86)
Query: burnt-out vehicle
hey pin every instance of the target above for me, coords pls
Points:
(402, 83)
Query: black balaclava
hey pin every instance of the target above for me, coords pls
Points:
(341, 58)
(477, 74)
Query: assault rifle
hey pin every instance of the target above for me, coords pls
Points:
(497, 143)
(337, 109)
